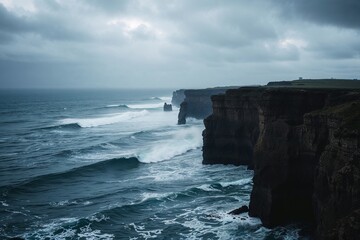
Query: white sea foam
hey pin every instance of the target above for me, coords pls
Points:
(146, 106)
(67, 202)
(47, 230)
(208, 188)
(242, 219)
(151, 195)
(166, 99)
(94, 234)
(167, 176)
(177, 143)
(238, 182)
(104, 120)
(87, 203)
(145, 234)
(98, 218)
(50, 230)
(229, 224)
(61, 203)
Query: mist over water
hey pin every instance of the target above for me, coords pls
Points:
(112, 165)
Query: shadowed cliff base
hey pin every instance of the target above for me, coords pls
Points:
(303, 144)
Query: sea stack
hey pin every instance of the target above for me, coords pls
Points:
(167, 107)
(182, 113)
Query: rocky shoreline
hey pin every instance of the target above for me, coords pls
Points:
(303, 144)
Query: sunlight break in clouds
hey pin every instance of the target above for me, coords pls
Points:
(133, 25)
(290, 42)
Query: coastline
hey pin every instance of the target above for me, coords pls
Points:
(302, 142)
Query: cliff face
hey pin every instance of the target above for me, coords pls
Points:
(233, 128)
(177, 97)
(336, 195)
(305, 158)
(283, 176)
(197, 103)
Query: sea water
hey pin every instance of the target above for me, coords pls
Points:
(111, 164)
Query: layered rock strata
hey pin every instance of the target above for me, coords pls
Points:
(336, 195)
(304, 147)
(232, 130)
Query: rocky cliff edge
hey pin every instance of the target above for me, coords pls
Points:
(303, 145)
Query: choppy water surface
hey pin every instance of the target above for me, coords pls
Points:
(112, 165)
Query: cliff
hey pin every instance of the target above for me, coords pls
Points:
(232, 130)
(197, 103)
(177, 97)
(336, 196)
(304, 147)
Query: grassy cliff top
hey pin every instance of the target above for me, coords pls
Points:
(349, 113)
(318, 83)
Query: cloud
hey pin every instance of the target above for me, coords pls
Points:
(44, 24)
(340, 13)
(108, 6)
(175, 42)
(9, 23)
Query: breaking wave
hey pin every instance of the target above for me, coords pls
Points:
(176, 143)
(100, 121)
(117, 106)
(146, 106)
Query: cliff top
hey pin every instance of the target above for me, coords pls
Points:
(318, 83)
(207, 91)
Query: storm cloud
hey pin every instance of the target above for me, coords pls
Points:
(174, 43)
(340, 13)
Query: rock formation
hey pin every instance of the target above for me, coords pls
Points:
(182, 113)
(240, 210)
(177, 97)
(167, 107)
(232, 130)
(336, 195)
(304, 147)
(198, 103)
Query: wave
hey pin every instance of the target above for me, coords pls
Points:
(166, 99)
(146, 105)
(153, 98)
(106, 120)
(117, 106)
(70, 228)
(154, 198)
(175, 144)
(63, 126)
(115, 164)
(240, 182)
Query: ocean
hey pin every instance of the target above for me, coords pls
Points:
(111, 164)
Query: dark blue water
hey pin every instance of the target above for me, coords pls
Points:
(86, 164)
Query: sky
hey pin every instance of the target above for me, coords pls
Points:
(175, 43)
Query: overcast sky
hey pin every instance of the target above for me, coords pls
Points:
(175, 43)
